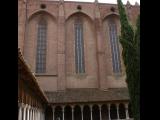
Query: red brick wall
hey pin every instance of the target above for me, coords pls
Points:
(60, 72)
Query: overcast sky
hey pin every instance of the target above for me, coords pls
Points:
(108, 1)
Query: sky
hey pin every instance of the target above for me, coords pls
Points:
(109, 1)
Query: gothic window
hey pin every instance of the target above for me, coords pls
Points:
(79, 47)
(114, 47)
(41, 47)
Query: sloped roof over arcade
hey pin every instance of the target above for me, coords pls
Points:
(88, 95)
(25, 74)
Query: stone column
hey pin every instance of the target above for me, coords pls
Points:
(81, 112)
(24, 112)
(126, 109)
(53, 109)
(109, 116)
(31, 113)
(37, 114)
(100, 114)
(91, 112)
(117, 106)
(20, 112)
(28, 112)
(33, 118)
(72, 112)
(63, 112)
(42, 115)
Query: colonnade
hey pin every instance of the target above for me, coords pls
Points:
(116, 111)
(27, 112)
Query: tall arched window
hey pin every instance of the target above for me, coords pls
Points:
(41, 46)
(79, 47)
(114, 47)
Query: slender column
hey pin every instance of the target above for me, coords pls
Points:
(36, 114)
(33, 114)
(20, 112)
(82, 112)
(72, 112)
(126, 109)
(117, 106)
(53, 109)
(100, 114)
(38, 117)
(91, 112)
(63, 112)
(28, 115)
(24, 112)
(43, 116)
(109, 116)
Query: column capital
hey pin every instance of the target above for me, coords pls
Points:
(90, 106)
(108, 105)
(63, 107)
(117, 104)
(126, 105)
(20, 104)
(99, 105)
(81, 106)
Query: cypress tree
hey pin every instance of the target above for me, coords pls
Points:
(130, 42)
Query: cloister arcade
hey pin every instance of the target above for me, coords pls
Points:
(111, 111)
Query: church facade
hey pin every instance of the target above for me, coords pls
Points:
(72, 49)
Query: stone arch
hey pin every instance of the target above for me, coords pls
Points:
(122, 114)
(58, 112)
(30, 43)
(86, 113)
(113, 111)
(95, 113)
(104, 111)
(110, 14)
(108, 21)
(80, 12)
(89, 42)
(41, 12)
(48, 113)
(67, 113)
(77, 113)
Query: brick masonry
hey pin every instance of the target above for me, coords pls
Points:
(60, 73)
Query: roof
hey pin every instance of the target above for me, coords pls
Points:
(24, 71)
(87, 95)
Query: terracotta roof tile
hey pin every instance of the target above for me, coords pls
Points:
(87, 95)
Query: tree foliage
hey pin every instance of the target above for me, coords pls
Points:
(130, 41)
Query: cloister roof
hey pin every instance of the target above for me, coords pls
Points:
(25, 73)
(88, 95)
